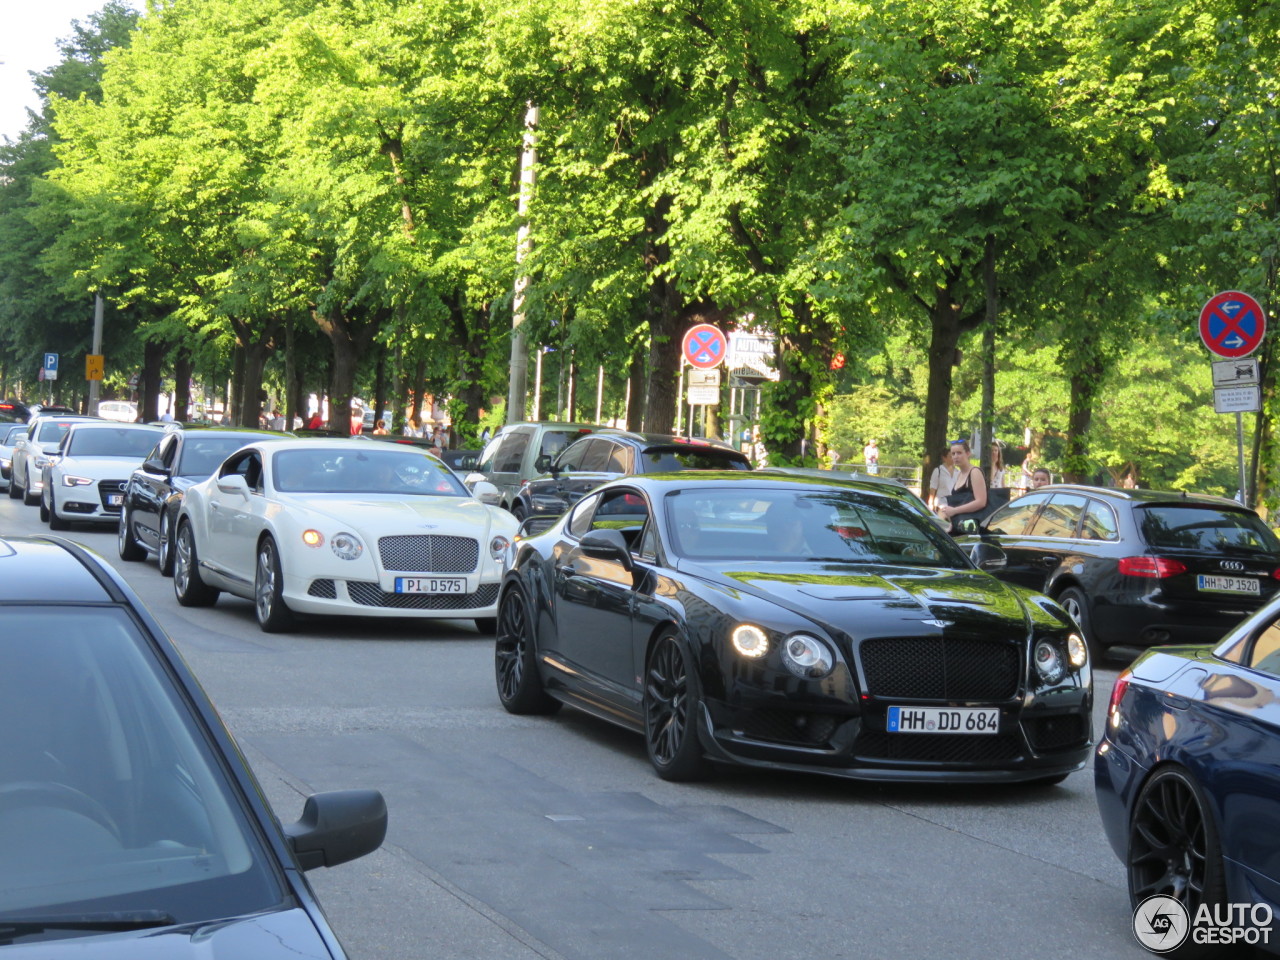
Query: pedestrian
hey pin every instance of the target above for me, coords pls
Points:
(484, 436)
(316, 422)
(357, 420)
(997, 464)
(277, 421)
(967, 500)
(380, 428)
(1040, 477)
(942, 480)
(758, 452)
(871, 454)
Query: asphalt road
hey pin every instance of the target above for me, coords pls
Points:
(514, 838)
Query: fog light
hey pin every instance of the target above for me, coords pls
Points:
(807, 657)
(1077, 651)
(346, 546)
(498, 547)
(750, 641)
(1049, 662)
(313, 538)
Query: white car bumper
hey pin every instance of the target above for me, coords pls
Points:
(368, 598)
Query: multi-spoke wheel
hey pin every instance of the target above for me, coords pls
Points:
(274, 616)
(164, 548)
(1174, 848)
(671, 712)
(515, 664)
(126, 544)
(1076, 604)
(188, 586)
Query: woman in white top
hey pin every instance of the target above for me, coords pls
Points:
(997, 466)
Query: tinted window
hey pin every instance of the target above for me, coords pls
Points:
(485, 464)
(1206, 528)
(202, 454)
(1099, 523)
(580, 521)
(248, 466)
(1265, 655)
(158, 827)
(51, 431)
(511, 454)
(396, 472)
(597, 456)
(619, 459)
(575, 455)
(694, 458)
(623, 511)
(553, 441)
(1060, 517)
(109, 442)
(1015, 519)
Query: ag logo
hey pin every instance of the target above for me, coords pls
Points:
(1161, 923)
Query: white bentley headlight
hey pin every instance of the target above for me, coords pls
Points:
(750, 641)
(346, 546)
(1077, 650)
(70, 481)
(807, 657)
(1049, 661)
(498, 547)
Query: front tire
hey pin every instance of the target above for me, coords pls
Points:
(44, 511)
(274, 615)
(1076, 604)
(126, 544)
(188, 586)
(14, 492)
(671, 705)
(1174, 849)
(515, 659)
(164, 549)
(29, 498)
(56, 522)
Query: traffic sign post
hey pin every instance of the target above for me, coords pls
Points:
(94, 366)
(1232, 325)
(704, 346)
(50, 366)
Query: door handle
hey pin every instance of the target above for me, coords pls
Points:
(1049, 561)
(569, 570)
(213, 505)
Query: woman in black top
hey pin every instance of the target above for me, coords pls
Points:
(969, 493)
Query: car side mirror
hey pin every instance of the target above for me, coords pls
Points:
(338, 826)
(156, 466)
(234, 483)
(543, 463)
(485, 491)
(987, 556)
(607, 545)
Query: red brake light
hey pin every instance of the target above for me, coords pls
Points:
(1153, 567)
(1275, 574)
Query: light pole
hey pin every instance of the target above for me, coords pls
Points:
(519, 386)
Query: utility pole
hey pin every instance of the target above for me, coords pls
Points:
(95, 385)
(518, 390)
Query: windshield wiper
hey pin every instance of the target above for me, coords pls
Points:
(109, 921)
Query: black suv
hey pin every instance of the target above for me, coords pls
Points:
(1134, 567)
(585, 464)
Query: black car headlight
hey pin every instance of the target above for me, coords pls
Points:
(1048, 661)
(750, 641)
(1077, 650)
(807, 657)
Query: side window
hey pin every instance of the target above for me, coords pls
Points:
(580, 521)
(575, 454)
(1060, 517)
(597, 457)
(619, 458)
(508, 459)
(1099, 523)
(247, 465)
(624, 511)
(1015, 519)
(485, 465)
(1265, 655)
(166, 450)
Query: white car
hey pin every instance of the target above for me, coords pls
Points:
(9, 434)
(120, 410)
(340, 527)
(85, 477)
(32, 453)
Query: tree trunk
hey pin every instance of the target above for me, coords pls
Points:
(380, 387)
(635, 390)
(349, 339)
(1085, 367)
(988, 415)
(231, 404)
(662, 311)
(946, 327)
(182, 368)
(149, 385)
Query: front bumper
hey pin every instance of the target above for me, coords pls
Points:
(366, 598)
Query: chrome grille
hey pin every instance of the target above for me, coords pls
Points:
(941, 668)
(429, 553)
(372, 595)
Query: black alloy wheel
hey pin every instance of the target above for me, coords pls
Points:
(164, 548)
(1076, 604)
(1174, 849)
(670, 714)
(274, 616)
(188, 586)
(515, 664)
(126, 545)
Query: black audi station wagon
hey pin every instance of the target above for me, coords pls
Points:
(790, 623)
(1135, 567)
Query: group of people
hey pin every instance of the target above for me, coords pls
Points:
(959, 491)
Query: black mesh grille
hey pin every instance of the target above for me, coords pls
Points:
(789, 726)
(372, 595)
(324, 589)
(108, 488)
(429, 553)
(1056, 733)
(941, 668)
(937, 747)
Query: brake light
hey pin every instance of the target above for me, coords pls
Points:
(1275, 574)
(1153, 567)
(1117, 694)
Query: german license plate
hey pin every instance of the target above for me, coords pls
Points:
(431, 585)
(944, 719)
(115, 499)
(1229, 584)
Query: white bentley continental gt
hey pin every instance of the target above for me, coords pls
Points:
(83, 479)
(340, 526)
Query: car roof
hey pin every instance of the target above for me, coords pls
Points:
(95, 424)
(52, 570)
(662, 483)
(1143, 497)
(665, 440)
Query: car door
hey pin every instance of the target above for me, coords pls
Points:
(604, 460)
(547, 494)
(148, 488)
(595, 599)
(236, 519)
(1055, 545)
(1009, 529)
(506, 463)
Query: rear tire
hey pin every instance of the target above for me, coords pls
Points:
(1076, 604)
(126, 544)
(188, 586)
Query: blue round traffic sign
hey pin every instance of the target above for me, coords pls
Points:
(705, 346)
(1232, 324)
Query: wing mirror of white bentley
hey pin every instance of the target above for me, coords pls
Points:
(483, 490)
(234, 483)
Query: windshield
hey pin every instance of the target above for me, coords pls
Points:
(52, 431)
(402, 472)
(800, 525)
(11, 437)
(1207, 528)
(111, 442)
(110, 794)
(201, 456)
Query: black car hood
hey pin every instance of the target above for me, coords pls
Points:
(889, 600)
(286, 933)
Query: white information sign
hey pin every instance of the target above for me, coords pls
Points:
(704, 396)
(703, 378)
(1235, 373)
(1237, 399)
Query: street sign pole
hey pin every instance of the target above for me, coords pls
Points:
(1232, 325)
(1242, 496)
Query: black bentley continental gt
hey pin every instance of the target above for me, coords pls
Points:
(790, 623)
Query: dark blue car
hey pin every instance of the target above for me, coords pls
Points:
(1188, 785)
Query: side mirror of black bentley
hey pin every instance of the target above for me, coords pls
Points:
(987, 556)
(338, 826)
(607, 545)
